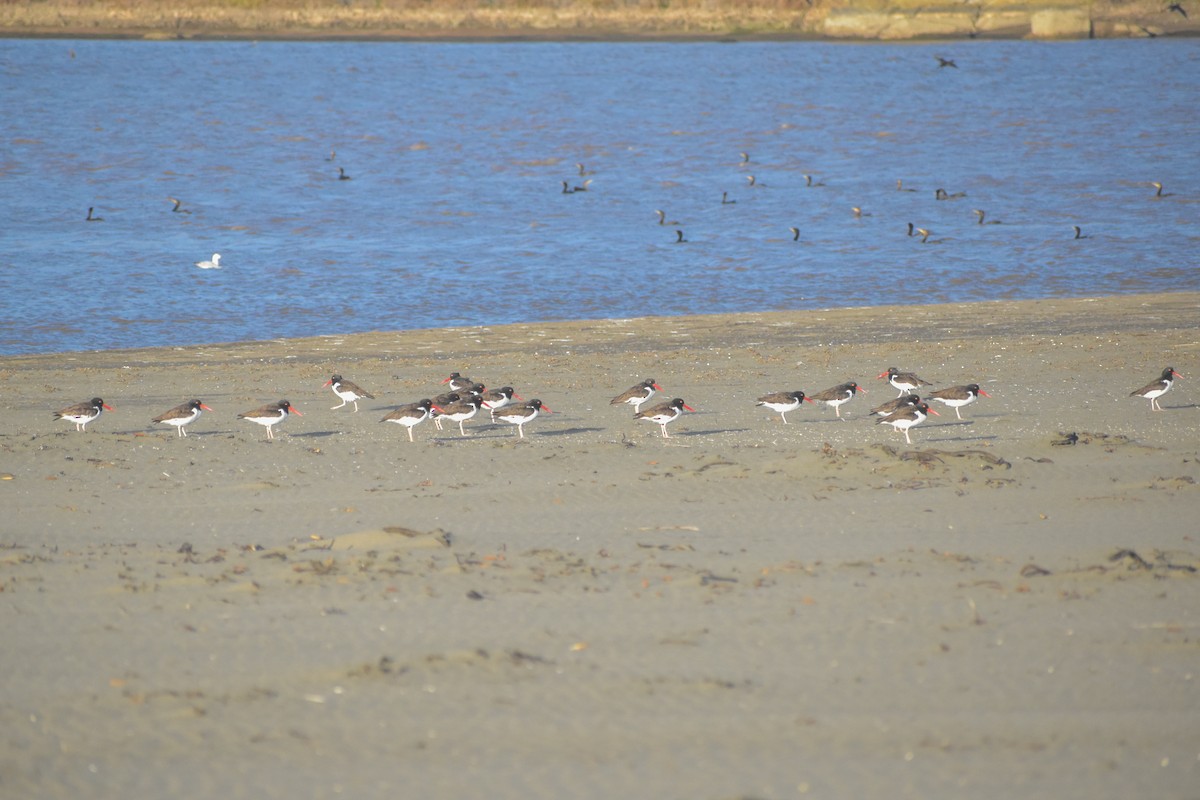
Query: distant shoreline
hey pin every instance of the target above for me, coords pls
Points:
(480, 37)
(662, 20)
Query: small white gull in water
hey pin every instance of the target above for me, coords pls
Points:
(214, 263)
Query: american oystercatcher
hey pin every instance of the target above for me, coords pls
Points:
(450, 398)
(446, 398)
(349, 391)
(1151, 391)
(664, 413)
(461, 410)
(270, 415)
(495, 399)
(213, 263)
(441, 401)
(891, 406)
(783, 402)
(182, 415)
(83, 413)
(958, 396)
(842, 393)
(456, 382)
(907, 417)
(636, 395)
(520, 413)
(906, 382)
(411, 415)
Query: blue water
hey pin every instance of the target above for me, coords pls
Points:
(455, 216)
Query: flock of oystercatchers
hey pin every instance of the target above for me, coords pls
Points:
(466, 398)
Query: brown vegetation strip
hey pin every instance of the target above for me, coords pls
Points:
(405, 18)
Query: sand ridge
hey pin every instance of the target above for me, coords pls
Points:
(747, 609)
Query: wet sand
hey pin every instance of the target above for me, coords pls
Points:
(744, 610)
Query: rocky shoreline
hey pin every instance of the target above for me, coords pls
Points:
(884, 20)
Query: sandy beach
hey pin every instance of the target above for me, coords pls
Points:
(747, 609)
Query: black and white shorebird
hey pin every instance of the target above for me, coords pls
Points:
(441, 401)
(83, 413)
(182, 415)
(520, 413)
(457, 382)
(496, 399)
(664, 413)
(348, 391)
(837, 395)
(958, 396)
(270, 415)
(410, 415)
(907, 417)
(903, 401)
(636, 395)
(1155, 390)
(905, 382)
(461, 410)
(783, 402)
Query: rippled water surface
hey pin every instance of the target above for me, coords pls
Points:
(455, 215)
